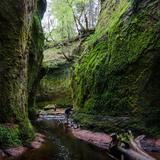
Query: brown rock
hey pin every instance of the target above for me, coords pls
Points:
(36, 145)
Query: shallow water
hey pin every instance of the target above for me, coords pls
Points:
(61, 145)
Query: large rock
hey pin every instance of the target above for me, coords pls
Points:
(118, 73)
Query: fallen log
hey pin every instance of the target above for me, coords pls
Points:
(139, 149)
(133, 155)
(124, 146)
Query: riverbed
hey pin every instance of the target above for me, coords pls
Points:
(60, 144)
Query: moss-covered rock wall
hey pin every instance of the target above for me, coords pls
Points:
(118, 72)
(21, 44)
(35, 69)
(55, 87)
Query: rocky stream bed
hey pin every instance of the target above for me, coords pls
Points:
(59, 141)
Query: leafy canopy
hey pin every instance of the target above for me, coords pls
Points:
(67, 15)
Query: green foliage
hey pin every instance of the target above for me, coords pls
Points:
(14, 135)
(65, 27)
(125, 137)
(68, 18)
(9, 136)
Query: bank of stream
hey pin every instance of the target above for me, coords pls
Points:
(69, 143)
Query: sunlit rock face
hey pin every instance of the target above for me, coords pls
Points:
(21, 42)
(118, 73)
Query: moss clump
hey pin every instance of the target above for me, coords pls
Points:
(27, 133)
(9, 136)
(16, 135)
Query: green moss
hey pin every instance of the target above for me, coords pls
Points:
(36, 43)
(20, 47)
(116, 71)
(53, 57)
(14, 135)
(109, 124)
(56, 88)
(56, 85)
(27, 133)
(9, 136)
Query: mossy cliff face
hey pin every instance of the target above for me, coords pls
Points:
(17, 23)
(55, 87)
(35, 69)
(118, 72)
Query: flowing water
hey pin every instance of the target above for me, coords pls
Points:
(61, 145)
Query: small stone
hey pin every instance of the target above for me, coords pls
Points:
(38, 141)
(2, 154)
(15, 152)
(36, 145)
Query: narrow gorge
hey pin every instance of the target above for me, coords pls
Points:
(75, 74)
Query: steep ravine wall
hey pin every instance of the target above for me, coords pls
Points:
(118, 72)
(55, 87)
(35, 69)
(21, 42)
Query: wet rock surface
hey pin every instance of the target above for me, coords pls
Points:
(101, 140)
(38, 141)
(17, 151)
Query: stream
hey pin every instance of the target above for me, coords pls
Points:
(60, 144)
